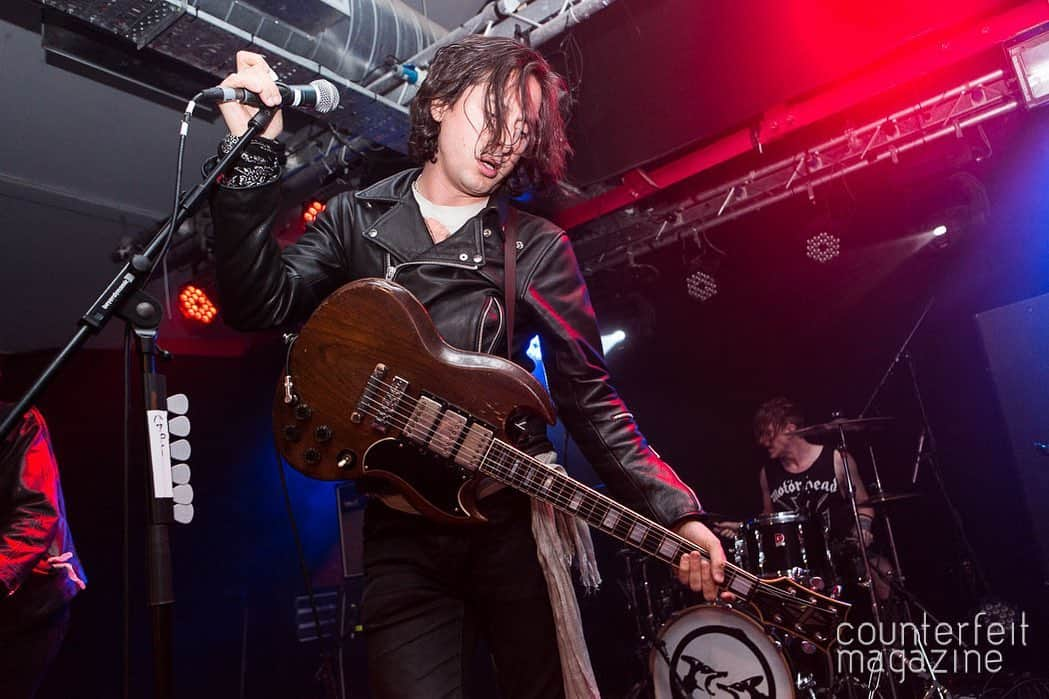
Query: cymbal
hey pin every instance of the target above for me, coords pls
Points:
(884, 498)
(827, 429)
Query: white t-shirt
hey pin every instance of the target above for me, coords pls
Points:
(451, 217)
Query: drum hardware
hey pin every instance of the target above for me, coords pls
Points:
(850, 491)
(830, 430)
(790, 544)
(877, 497)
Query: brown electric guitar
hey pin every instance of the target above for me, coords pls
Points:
(372, 392)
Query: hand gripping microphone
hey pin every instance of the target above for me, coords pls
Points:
(319, 96)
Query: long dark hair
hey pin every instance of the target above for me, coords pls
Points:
(497, 65)
(775, 413)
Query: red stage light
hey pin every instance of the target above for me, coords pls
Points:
(195, 304)
(312, 211)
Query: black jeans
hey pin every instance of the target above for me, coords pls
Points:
(431, 589)
(27, 651)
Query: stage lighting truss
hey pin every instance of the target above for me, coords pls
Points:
(822, 247)
(606, 243)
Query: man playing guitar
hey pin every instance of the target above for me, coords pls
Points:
(486, 122)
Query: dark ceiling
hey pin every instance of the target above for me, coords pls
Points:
(88, 160)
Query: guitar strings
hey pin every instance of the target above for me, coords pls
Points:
(405, 417)
(730, 569)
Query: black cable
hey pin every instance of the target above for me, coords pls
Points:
(299, 550)
(303, 568)
(177, 199)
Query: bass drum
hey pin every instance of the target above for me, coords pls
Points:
(715, 651)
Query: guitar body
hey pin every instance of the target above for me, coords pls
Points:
(329, 428)
(372, 392)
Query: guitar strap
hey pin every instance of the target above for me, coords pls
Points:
(510, 272)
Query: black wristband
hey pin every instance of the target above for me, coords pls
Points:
(261, 163)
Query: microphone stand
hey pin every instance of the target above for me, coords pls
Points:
(897, 358)
(927, 455)
(124, 297)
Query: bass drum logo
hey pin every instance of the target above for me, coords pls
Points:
(718, 652)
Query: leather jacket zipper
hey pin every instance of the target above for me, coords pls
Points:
(392, 269)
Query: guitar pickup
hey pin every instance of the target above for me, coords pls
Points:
(475, 446)
(423, 419)
(447, 433)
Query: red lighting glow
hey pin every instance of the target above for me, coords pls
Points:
(196, 305)
(312, 211)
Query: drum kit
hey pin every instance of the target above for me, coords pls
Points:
(724, 650)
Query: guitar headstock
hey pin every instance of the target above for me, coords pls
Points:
(794, 608)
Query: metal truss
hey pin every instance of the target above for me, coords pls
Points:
(608, 244)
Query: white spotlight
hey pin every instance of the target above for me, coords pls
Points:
(822, 247)
(611, 340)
(939, 231)
(701, 285)
(1030, 60)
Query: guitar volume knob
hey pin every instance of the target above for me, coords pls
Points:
(291, 433)
(322, 433)
(303, 411)
(312, 456)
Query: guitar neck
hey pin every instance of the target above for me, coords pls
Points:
(526, 474)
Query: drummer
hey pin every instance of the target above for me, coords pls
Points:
(810, 478)
(806, 477)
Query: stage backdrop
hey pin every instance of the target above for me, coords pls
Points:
(1016, 338)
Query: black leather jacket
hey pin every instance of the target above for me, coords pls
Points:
(379, 232)
(38, 561)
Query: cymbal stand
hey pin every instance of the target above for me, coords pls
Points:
(850, 488)
(897, 570)
(643, 618)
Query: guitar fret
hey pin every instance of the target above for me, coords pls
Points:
(669, 550)
(558, 489)
(651, 540)
(739, 584)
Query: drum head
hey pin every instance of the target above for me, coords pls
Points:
(786, 517)
(718, 652)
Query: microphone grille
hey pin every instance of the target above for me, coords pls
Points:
(327, 96)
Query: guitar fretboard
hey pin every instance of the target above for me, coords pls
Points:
(529, 475)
